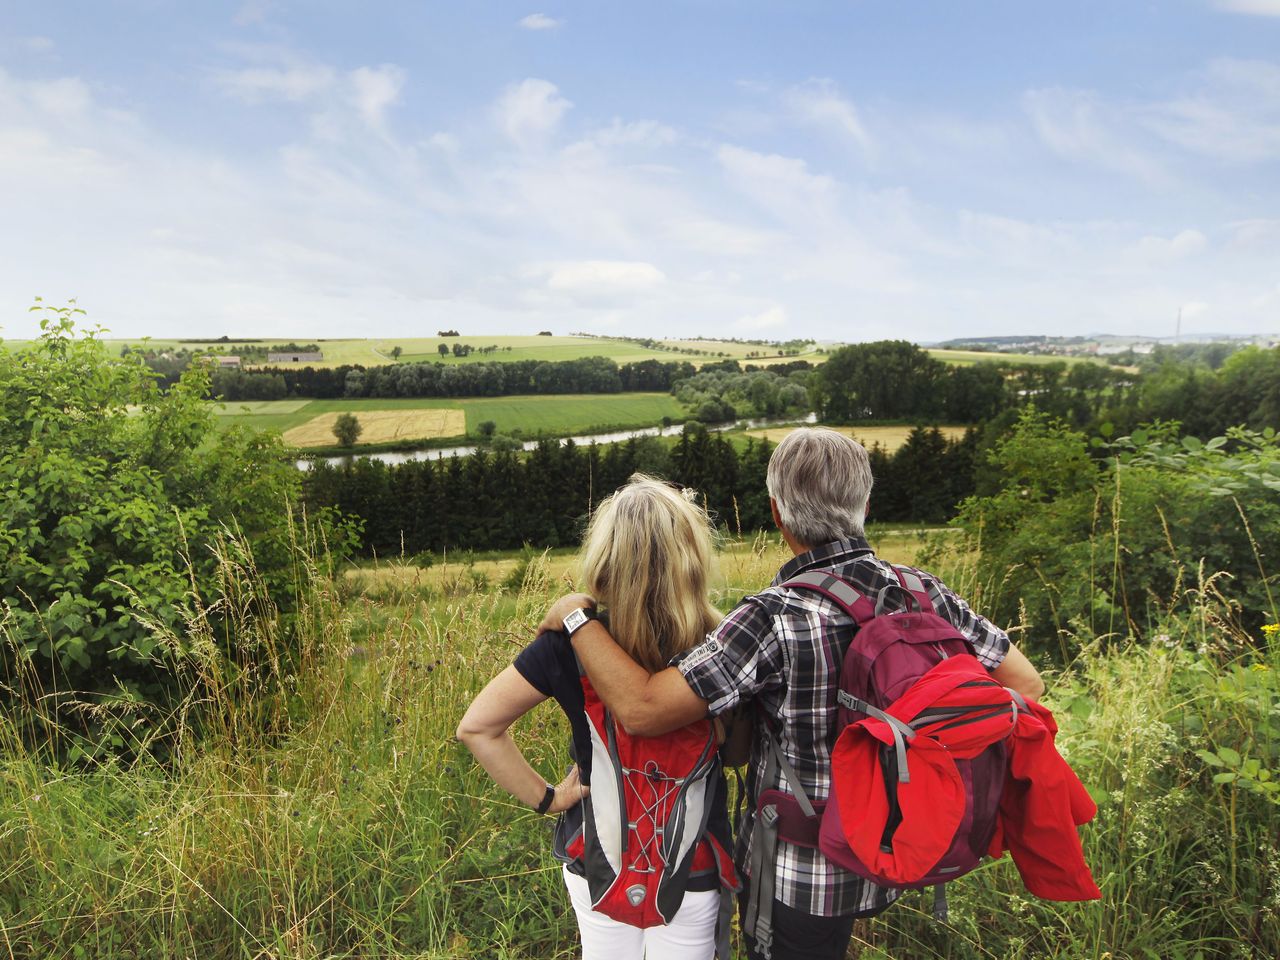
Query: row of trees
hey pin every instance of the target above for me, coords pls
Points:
(481, 379)
(719, 394)
(896, 380)
(501, 500)
(1206, 390)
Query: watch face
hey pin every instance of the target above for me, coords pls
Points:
(575, 619)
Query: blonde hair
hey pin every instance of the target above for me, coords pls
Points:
(646, 556)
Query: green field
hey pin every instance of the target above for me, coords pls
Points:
(374, 352)
(965, 358)
(557, 414)
(377, 352)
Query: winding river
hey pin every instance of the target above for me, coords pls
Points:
(441, 453)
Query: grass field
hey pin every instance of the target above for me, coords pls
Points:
(333, 814)
(739, 565)
(382, 426)
(965, 358)
(375, 352)
(553, 414)
(888, 438)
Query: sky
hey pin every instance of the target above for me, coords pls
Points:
(852, 170)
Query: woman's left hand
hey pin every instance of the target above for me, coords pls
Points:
(569, 791)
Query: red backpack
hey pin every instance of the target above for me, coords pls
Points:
(644, 824)
(894, 647)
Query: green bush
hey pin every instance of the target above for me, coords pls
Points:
(1071, 544)
(115, 503)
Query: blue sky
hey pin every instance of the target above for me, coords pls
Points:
(839, 170)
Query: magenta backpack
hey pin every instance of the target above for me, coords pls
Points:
(899, 639)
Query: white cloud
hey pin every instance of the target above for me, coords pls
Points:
(775, 316)
(1080, 126)
(1233, 116)
(539, 21)
(595, 277)
(252, 11)
(529, 112)
(66, 97)
(374, 89)
(781, 184)
(1183, 244)
(637, 133)
(291, 83)
(38, 44)
(819, 103)
(1258, 8)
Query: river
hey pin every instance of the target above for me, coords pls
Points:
(441, 453)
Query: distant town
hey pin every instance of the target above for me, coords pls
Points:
(1102, 345)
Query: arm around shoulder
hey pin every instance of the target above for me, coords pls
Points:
(645, 704)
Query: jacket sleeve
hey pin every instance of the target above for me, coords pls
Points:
(1042, 804)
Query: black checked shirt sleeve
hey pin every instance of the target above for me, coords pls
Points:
(990, 643)
(739, 658)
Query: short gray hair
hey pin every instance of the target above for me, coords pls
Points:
(821, 481)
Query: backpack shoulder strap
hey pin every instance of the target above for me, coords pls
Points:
(859, 606)
(841, 592)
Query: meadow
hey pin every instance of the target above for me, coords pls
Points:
(558, 415)
(336, 817)
(376, 352)
(889, 438)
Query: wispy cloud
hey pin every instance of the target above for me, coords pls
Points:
(1257, 8)
(772, 318)
(820, 103)
(539, 21)
(38, 44)
(374, 89)
(1233, 115)
(1081, 126)
(529, 112)
(293, 83)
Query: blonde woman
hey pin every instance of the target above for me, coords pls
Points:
(645, 560)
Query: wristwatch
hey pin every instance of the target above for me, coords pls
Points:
(574, 620)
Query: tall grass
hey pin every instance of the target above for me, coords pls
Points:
(317, 806)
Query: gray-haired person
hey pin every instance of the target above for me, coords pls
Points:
(780, 650)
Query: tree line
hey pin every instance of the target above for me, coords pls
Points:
(433, 379)
(503, 499)
(1205, 390)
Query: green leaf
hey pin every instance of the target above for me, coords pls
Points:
(1231, 757)
(1191, 443)
(1224, 777)
(1210, 758)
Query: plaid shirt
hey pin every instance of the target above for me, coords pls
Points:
(783, 649)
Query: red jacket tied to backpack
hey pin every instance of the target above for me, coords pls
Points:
(956, 711)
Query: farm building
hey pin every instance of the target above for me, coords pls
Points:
(228, 361)
(294, 357)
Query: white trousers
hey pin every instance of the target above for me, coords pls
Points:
(691, 935)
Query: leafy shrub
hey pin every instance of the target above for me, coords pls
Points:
(115, 501)
(1112, 546)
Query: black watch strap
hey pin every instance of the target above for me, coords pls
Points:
(577, 619)
(547, 800)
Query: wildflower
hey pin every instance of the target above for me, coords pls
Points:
(1271, 630)
(1260, 667)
